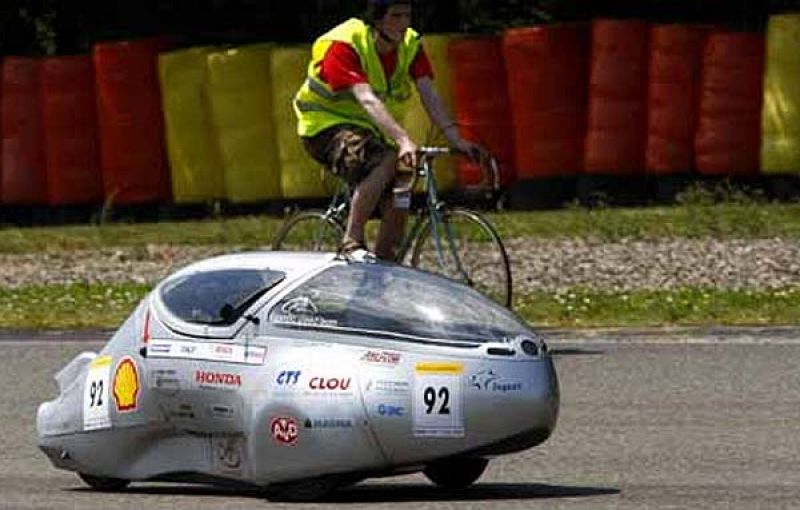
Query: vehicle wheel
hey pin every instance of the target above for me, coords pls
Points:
(309, 231)
(302, 491)
(471, 250)
(456, 473)
(103, 484)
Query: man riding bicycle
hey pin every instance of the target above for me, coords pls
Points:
(359, 84)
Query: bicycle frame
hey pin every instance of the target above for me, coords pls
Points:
(432, 208)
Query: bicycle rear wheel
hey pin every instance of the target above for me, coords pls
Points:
(471, 252)
(309, 231)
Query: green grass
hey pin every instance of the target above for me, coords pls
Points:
(106, 306)
(686, 307)
(694, 218)
(68, 306)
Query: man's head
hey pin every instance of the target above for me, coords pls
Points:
(390, 17)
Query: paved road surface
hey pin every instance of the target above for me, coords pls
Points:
(648, 422)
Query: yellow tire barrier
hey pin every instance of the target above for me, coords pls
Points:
(240, 93)
(780, 146)
(301, 176)
(195, 163)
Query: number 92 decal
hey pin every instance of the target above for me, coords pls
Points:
(437, 400)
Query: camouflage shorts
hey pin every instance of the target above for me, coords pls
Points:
(350, 152)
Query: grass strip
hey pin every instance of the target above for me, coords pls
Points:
(75, 306)
(729, 220)
(580, 308)
(106, 306)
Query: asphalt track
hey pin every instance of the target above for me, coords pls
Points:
(648, 420)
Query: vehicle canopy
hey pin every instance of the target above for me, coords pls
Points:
(302, 291)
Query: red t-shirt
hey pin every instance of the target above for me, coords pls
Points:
(341, 68)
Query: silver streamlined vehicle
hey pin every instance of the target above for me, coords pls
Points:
(300, 373)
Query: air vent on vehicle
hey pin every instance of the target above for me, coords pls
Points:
(500, 351)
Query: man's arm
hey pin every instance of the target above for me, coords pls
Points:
(407, 149)
(438, 113)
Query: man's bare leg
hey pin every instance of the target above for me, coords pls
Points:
(393, 224)
(366, 197)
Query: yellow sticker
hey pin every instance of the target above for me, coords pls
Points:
(439, 367)
(126, 385)
(102, 361)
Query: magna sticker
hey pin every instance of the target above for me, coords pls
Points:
(95, 395)
(438, 400)
(126, 385)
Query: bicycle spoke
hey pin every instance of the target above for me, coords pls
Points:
(309, 231)
(464, 247)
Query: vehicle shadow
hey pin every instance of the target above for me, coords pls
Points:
(389, 493)
(403, 493)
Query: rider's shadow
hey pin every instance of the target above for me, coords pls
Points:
(399, 493)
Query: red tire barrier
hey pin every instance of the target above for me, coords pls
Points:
(728, 136)
(23, 178)
(547, 73)
(481, 97)
(615, 139)
(132, 153)
(675, 54)
(69, 124)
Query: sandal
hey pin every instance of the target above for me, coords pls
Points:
(356, 250)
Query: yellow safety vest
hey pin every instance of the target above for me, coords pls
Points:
(318, 107)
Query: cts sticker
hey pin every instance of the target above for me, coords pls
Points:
(288, 377)
(284, 430)
(126, 385)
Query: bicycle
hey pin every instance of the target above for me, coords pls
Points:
(456, 242)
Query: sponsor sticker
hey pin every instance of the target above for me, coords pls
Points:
(488, 380)
(388, 387)
(183, 411)
(284, 430)
(387, 358)
(217, 380)
(437, 402)
(95, 394)
(205, 351)
(302, 310)
(221, 411)
(439, 368)
(126, 385)
(391, 410)
(228, 453)
(328, 423)
(288, 378)
(329, 384)
(167, 381)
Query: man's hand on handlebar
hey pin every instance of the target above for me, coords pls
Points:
(407, 153)
(475, 152)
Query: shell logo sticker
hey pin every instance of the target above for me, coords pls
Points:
(126, 385)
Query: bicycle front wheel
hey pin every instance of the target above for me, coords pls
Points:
(464, 246)
(309, 231)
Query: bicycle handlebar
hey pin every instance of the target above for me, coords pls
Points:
(428, 154)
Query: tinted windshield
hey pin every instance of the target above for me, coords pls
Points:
(396, 300)
(217, 297)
